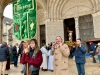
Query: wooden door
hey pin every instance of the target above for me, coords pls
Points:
(86, 27)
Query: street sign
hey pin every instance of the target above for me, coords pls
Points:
(24, 19)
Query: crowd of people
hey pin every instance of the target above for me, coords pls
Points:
(53, 57)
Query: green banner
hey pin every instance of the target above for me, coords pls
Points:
(24, 19)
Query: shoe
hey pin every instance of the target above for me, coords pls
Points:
(6, 74)
(15, 66)
(45, 70)
(22, 72)
(94, 61)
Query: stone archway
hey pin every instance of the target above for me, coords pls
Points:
(55, 10)
(3, 4)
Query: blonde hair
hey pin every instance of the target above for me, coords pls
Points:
(60, 38)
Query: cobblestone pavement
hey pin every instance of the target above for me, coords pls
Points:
(90, 68)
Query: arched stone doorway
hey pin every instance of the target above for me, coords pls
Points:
(69, 25)
(85, 27)
(42, 35)
(7, 27)
(3, 4)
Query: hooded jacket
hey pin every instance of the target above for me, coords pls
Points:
(4, 52)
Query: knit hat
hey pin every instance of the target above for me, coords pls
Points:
(91, 42)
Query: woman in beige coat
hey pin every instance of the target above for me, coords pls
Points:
(61, 54)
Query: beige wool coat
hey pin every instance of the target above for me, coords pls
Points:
(61, 60)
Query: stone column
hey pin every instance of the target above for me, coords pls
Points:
(96, 24)
(77, 27)
(1, 17)
(38, 34)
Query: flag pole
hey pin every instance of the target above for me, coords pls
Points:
(27, 70)
(27, 67)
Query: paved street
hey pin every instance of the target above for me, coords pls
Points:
(91, 69)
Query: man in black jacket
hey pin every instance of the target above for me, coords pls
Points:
(15, 52)
(4, 52)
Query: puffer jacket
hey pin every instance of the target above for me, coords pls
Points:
(4, 52)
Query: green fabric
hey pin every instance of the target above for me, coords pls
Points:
(24, 19)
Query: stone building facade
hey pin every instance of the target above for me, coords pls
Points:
(53, 13)
(80, 16)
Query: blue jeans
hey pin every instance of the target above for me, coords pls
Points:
(15, 60)
(99, 58)
(80, 68)
(24, 68)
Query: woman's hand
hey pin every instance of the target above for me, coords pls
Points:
(26, 50)
(52, 52)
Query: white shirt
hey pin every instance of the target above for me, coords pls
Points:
(17, 49)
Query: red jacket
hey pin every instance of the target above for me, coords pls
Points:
(32, 61)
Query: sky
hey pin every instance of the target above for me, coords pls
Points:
(8, 11)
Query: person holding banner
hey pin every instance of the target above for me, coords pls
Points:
(33, 57)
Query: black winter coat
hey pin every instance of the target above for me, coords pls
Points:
(14, 51)
(4, 52)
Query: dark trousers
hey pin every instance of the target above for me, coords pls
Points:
(34, 72)
(94, 60)
(15, 60)
(8, 63)
(80, 68)
(93, 54)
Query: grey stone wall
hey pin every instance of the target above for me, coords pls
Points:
(54, 29)
(96, 23)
